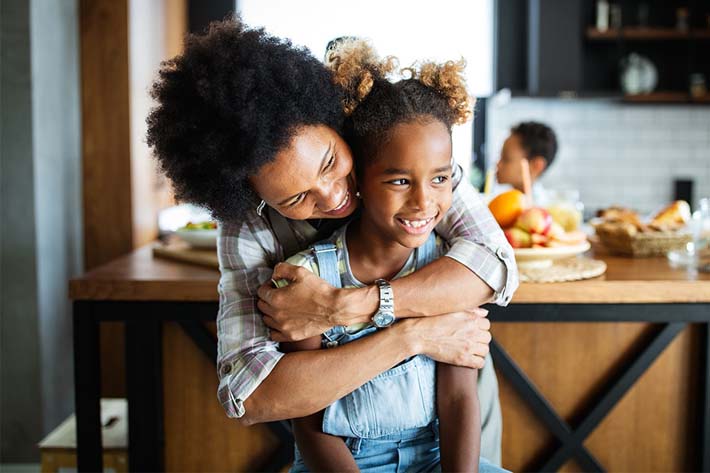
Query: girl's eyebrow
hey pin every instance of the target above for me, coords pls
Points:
(320, 170)
(390, 171)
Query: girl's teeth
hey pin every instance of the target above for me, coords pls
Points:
(416, 223)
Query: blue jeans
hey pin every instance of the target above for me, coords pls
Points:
(410, 451)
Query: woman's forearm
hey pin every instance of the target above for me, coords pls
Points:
(442, 286)
(306, 382)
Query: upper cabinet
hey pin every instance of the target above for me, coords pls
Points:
(640, 51)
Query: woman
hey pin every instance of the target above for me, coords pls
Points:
(250, 127)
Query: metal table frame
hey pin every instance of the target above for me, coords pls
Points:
(143, 339)
(671, 318)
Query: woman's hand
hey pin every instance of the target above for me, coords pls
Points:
(459, 338)
(303, 309)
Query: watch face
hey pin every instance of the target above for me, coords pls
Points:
(383, 319)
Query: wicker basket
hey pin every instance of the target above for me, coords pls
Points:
(621, 242)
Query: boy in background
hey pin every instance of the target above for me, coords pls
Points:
(533, 141)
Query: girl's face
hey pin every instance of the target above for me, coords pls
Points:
(406, 189)
(311, 178)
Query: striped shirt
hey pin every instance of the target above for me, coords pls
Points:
(249, 249)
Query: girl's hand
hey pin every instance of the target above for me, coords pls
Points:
(303, 309)
(459, 338)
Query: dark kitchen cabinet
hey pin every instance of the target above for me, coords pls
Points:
(553, 48)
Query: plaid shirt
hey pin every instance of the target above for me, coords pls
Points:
(248, 250)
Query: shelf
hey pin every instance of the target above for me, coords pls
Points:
(666, 97)
(634, 33)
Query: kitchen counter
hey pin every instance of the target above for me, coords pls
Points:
(141, 277)
(574, 362)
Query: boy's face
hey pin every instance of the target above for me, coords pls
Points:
(509, 170)
(311, 178)
(406, 189)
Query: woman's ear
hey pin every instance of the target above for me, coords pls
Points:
(538, 164)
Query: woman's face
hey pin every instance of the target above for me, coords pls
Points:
(406, 189)
(311, 178)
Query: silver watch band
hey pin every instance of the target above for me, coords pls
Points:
(384, 317)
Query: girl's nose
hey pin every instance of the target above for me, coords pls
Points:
(420, 197)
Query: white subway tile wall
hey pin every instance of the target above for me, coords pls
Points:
(614, 153)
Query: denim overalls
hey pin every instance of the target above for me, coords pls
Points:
(389, 423)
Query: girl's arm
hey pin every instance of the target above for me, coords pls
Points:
(459, 418)
(320, 451)
(478, 268)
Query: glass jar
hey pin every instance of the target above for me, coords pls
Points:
(565, 207)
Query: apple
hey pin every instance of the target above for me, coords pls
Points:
(535, 220)
(518, 238)
(556, 231)
(538, 239)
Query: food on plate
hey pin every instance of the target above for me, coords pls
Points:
(534, 228)
(535, 220)
(518, 238)
(200, 226)
(507, 207)
(568, 217)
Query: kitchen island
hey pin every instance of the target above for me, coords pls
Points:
(629, 394)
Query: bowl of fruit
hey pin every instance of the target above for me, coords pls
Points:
(199, 235)
(537, 239)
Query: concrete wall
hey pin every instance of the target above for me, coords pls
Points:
(41, 218)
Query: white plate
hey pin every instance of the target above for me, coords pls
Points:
(198, 238)
(544, 257)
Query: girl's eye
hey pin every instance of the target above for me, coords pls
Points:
(440, 179)
(399, 182)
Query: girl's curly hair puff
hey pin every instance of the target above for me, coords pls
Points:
(375, 105)
(226, 106)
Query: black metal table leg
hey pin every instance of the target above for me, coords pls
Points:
(705, 412)
(144, 386)
(87, 388)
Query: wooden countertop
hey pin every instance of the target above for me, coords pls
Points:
(139, 276)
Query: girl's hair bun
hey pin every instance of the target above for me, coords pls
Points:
(355, 68)
(448, 80)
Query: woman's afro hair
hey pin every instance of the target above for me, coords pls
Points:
(227, 105)
(375, 104)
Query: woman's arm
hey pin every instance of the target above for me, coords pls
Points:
(478, 268)
(459, 418)
(308, 381)
(320, 451)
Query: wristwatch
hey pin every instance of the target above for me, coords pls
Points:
(384, 317)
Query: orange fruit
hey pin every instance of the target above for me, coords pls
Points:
(507, 207)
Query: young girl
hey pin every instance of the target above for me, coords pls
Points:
(419, 415)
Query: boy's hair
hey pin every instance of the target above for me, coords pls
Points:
(227, 105)
(537, 139)
(375, 105)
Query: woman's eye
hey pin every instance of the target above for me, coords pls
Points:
(440, 179)
(298, 200)
(399, 182)
(330, 163)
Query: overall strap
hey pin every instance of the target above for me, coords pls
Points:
(284, 233)
(426, 253)
(327, 258)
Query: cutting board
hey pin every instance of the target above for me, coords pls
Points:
(181, 251)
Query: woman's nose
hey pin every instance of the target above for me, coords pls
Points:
(330, 195)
